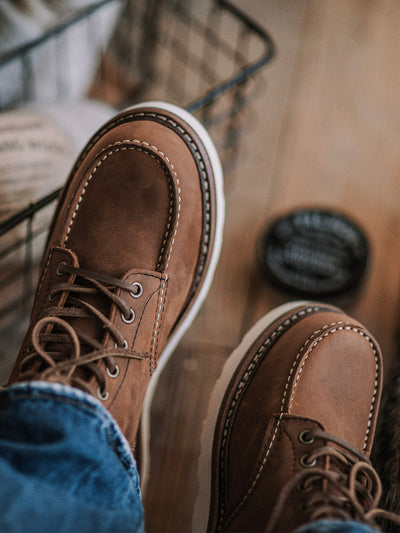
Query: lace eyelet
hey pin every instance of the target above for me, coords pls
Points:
(103, 396)
(52, 297)
(304, 461)
(113, 374)
(302, 508)
(303, 437)
(130, 318)
(124, 345)
(139, 288)
(63, 263)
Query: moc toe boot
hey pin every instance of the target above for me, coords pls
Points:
(130, 257)
(290, 425)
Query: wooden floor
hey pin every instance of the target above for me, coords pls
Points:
(327, 134)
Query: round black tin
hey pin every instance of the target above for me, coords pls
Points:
(314, 252)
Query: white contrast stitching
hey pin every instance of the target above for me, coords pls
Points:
(45, 270)
(123, 118)
(108, 154)
(268, 450)
(161, 300)
(340, 326)
(206, 239)
(157, 323)
(315, 344)
(170, 215)
(306, 343)
(239, 391)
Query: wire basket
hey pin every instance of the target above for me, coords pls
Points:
(200, 55)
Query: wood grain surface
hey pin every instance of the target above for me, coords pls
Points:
(325, 132)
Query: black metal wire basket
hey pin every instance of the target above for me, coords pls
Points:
(200, 55)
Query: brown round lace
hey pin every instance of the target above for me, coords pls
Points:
(348, 488)
(58, 349)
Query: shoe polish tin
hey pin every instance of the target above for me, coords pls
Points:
(314, 252)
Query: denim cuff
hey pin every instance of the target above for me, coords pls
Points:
(64, 463)
(43, 390)
(335, 526)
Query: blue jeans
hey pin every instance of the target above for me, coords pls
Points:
(64, 464)
(335, 526)
(66, 467)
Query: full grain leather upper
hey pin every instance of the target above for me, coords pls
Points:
(136, 207)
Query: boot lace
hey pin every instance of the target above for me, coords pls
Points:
(59, 347)
(348, 488)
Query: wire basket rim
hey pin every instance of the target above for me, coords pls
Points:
(203, 101)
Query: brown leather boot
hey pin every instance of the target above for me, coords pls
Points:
(130, 257)
(291, 425)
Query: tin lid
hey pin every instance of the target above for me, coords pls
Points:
(314, 252)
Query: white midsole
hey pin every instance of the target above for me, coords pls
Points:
(202, 505)
(145, 429)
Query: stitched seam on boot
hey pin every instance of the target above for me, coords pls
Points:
(205, 179)
(299, 353)
(156, 290)
(157, 323)
(367, 338)
(199, 158)
(122, 381)
(173, 171)
(85, 188)
(106, 156)
(240, 388)
(341, 326)
(162, 294)
(273, 431)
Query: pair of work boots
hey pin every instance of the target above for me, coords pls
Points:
(130, 257)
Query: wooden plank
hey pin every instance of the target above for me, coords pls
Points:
(327, 134)
(340, 141)
(186, 384)
(178, 410)
(247, 191)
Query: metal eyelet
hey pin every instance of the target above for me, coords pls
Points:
(52, 297)
(63, 263)
(303, 437)
(124, 345)
(304, 461)
(113, 374)
(103, 396)
(139, 288)
(130, 318)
